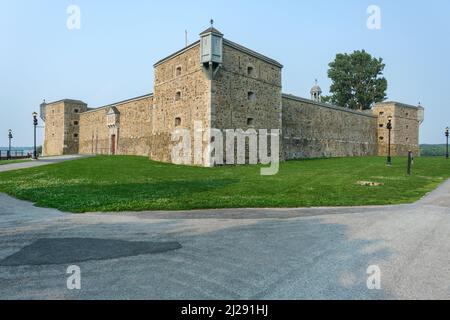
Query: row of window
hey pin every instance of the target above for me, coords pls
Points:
(382, 126)
(382, 138)
(75, 123)
(250, 71)
(406, 114)
(250, 122)
(251, 96)
(74, 111)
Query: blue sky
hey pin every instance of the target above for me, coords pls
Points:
(111, 57)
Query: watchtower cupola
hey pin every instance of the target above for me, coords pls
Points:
(42, 108)
(316, 93)
(211, 49)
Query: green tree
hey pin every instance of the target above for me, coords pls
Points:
(357, 80)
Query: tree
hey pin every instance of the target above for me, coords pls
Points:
(357, 81)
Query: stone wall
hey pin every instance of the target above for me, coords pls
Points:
(132, 132)
(314, 130)
(405, 128)
(246, 93)
(94, 135)
(182, 97)
(62, 127)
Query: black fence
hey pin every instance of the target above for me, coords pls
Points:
(14, 155)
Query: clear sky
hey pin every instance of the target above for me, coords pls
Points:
(110, 58)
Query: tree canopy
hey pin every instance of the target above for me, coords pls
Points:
(357, 80)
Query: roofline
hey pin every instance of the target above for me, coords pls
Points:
(64, 100)
(177, 53)
(213, 31)
(326, 105)
(404, 105)
(251, 52)
(228, 43)
(119, 103)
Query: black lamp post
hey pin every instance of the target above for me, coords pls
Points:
(389, 127)
(10, 136)
(35, 123)
(446, 135)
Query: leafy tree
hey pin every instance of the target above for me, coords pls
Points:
(357, 80)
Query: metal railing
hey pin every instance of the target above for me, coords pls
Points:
(14, 155)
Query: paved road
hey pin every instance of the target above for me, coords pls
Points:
(37, 163)
(228, 254)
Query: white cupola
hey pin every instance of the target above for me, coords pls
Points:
(316, 93)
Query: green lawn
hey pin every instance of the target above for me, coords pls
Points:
(3, 162)
(136, 183)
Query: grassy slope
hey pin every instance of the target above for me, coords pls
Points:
(135, 183)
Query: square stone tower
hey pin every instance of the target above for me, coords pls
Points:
(405, 120)
(217, 84)
(62, 126)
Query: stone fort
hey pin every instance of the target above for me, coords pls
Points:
(224, 85)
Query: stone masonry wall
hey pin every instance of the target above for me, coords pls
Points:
(62, 127)
(314, 130)
(132, 133)
(405, 132)
(246, 93)
(182, 97)
(54, 129)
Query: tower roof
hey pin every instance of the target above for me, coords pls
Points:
(316, 88)
(211, 30)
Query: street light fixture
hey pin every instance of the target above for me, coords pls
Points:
(389, 127)
(10, 136)
(35, 123)
(446, 135)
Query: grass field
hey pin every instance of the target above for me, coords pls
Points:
(135, 183)
(3, 162)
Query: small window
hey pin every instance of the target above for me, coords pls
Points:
(407, 126)
(250, 71)
(251, 96)
(178, 96)
(407, 114)
(75, 135)
(75, 123)
(407, 139)
(381, 125)
(250, 121)
(177, 122)
(381, 113)
(76, 110)
(381, 138)
(178, 71)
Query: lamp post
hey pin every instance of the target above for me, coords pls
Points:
(389, 127)
(35, 123)
(446, 135)
(10, 136)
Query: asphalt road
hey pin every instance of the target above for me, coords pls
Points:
(321, 253)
